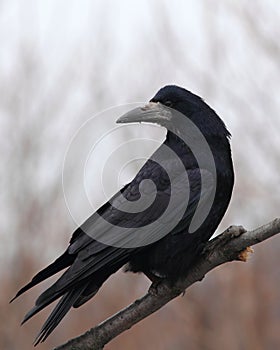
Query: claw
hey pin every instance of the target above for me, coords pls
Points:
(153, 290)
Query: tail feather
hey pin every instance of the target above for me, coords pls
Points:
(59, 264)
(60, 310)
(88, 270)
(38, 307)
(91, 289)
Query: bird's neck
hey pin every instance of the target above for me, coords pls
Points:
(219, 147)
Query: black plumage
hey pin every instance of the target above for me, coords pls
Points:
(90, 262)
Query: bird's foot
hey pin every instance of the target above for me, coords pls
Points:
(153, 290)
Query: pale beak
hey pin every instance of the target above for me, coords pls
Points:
(153, 112)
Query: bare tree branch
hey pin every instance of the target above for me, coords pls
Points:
(233, 244)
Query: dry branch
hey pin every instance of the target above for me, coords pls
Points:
(233, 244)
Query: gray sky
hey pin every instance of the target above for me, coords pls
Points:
(62, 62)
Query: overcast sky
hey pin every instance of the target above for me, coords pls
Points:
(61, 62)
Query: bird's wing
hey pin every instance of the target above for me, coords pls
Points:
(92, 261)
(93, 256)
(201, 196)
(87, 253)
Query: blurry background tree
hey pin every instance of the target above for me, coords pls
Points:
(62, 62)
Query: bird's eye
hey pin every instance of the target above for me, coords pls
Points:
(168, 104)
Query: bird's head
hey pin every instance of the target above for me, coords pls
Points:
(170, 100)
(180, 99)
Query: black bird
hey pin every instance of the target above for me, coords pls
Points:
(199, 179)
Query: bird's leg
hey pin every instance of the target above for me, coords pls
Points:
(155, 282)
